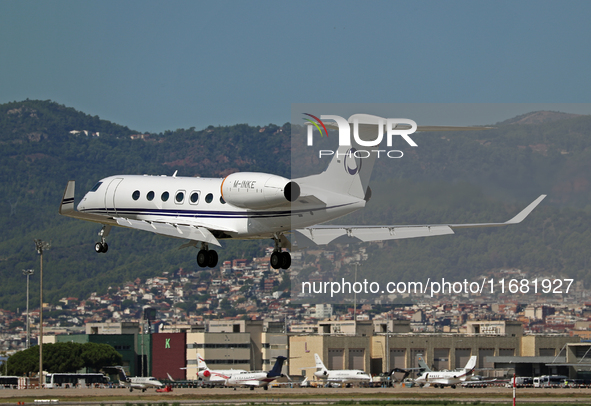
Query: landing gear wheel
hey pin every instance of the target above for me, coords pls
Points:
(266, 387)
(202, 258)
(252, 388)
(276, 260)
(101, 247)
(131, 389)
(285, 260)
(212, 258)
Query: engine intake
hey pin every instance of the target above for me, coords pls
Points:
(255, 190)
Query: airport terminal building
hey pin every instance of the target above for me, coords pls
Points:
(376, 346)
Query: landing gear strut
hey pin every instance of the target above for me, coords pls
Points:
(102, 246)
(279, 259)
(207, 257)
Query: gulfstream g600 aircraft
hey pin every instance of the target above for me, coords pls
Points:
(247, 205)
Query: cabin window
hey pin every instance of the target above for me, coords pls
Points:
(164, 196)
(150, 196)
(180, 196)
(95, 187)
(135, 195)
(222, 201)
(209, 198)
(194, 198)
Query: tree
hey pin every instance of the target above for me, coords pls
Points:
(64, 357)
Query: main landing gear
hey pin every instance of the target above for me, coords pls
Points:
(207, 257)
(102, 246)
(279, 259)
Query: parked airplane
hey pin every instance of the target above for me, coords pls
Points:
(447, 378)
(253, 379)
(339, 376)
(215, 376)
(138, 382)
(251, 205)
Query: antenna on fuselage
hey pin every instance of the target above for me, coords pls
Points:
(174, 174)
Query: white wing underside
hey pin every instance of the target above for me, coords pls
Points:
(324, 234)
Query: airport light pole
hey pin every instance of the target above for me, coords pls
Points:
(28, 273)
(41, 246)
(355, 300)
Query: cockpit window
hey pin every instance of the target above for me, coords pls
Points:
(95, 187)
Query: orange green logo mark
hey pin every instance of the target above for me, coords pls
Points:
(316, 124)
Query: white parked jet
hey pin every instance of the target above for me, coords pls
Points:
(253, 379)
(215, 376)
(339, 376)
(250, 205)
(447, 378)
(138, 382)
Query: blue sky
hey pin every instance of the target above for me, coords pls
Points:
(155, 66)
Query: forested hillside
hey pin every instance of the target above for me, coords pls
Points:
(451, 177)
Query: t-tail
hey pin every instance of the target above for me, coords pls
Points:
(351, 166)
(470, 365)
(122, 377)
(276, 371)
(201, 362)
(319, 364)
(422, 364)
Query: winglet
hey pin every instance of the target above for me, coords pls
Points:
(525, 212)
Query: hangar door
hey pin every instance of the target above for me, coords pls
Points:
(441, 358)
(482, 354)
(397, 356)
(357, 358)
(336, 359)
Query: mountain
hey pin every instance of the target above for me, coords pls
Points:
(451, 177)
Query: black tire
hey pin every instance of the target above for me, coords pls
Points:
(266, 387)
(285, 260)
(98, 247)
(276, 260)
(131, 389)
(202, 258)
(212, 258)
(105, 247)
(252, 388)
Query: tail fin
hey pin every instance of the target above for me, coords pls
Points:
(201, 362)
(122, 376)
(319, 363)
(422, 364)
(471, 364)
(350, 169)
(276, 371)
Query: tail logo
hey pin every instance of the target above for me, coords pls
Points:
(356, 161)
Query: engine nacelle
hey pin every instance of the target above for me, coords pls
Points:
(255, 190)
(204, 374)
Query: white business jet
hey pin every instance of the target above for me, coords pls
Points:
(138, 382)
(442, 379)
(214, 376)
(251, 205)
(339, 376)
(255, 379)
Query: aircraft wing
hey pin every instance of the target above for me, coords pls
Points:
(189, 232)
(324, 234)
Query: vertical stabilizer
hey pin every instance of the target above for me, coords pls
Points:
(201, 362)
(319, 364)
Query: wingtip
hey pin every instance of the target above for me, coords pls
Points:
(525, 212)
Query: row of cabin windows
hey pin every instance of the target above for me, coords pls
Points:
(179, 197)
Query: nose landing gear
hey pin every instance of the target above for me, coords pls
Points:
(102, 246)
